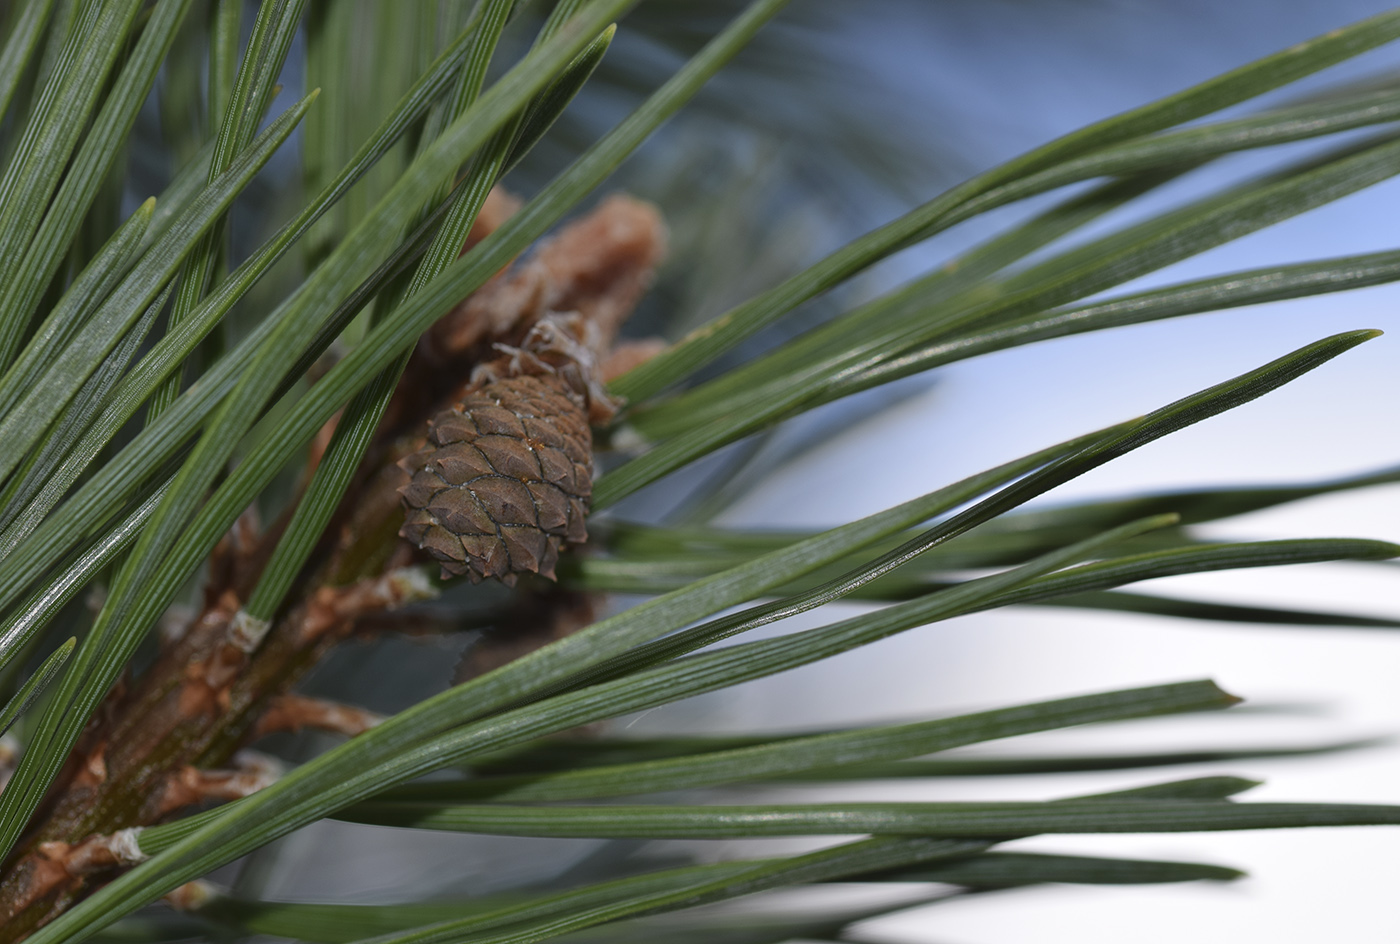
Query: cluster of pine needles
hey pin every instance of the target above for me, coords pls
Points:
(411, 403)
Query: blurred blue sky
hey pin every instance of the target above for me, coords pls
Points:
(1006, 76)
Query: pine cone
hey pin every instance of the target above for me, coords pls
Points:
(504, 480)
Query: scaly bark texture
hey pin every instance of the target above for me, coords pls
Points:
(511, 380)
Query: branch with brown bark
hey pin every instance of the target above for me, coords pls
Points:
(175, 738)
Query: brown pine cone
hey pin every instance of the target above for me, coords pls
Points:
(504, 480)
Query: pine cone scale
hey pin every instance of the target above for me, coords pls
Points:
(510, 457)
(497, 421)
(553, 517)
(460, 512)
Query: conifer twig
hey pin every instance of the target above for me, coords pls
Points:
(176, 738)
